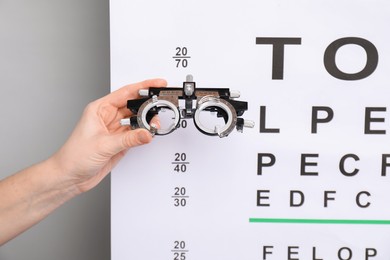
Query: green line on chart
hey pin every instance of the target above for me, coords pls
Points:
(320, 221)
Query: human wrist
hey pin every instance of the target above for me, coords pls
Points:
(31, 195)
(57, 180)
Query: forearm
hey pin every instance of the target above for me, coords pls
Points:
(30, 195)
(97, 144)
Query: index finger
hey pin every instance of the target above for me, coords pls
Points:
(119, 97)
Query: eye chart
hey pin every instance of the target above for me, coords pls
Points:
(311, 180)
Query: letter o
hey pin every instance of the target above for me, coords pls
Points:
(330, 58)
(349, 253)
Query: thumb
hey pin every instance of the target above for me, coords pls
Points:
(130, 139)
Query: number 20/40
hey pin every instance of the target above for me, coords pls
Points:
(181, 166)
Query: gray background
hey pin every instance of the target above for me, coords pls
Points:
(54, 59)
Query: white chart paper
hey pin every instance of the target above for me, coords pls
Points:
(310, 181)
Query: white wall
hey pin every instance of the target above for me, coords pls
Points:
(54, 59)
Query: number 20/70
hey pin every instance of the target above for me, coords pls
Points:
(181, 57)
